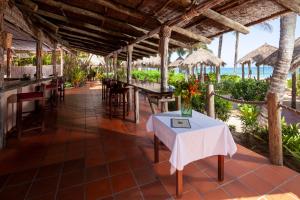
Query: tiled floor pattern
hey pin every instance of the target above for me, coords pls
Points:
(84, 155)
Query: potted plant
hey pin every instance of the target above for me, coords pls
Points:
(187, 89)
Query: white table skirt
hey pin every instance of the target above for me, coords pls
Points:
(206, 137)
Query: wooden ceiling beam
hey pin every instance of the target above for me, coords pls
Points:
(122, 9)
(226, 21)
(86, 33)
(77, 10)
(33, 6)
(47, 24)
(77, 37)
(192, 35)
(70, 21)
(188, 15)
(293, 5)
(140, 46)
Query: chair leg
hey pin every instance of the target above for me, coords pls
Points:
(43, 114)
(110, 110)
(124, 106)
(19, 119)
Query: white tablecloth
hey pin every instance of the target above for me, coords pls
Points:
(206, 137)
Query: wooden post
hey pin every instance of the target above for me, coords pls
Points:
(294, 90)
(7, 44)
(210, 101)
(220, 167)
(165, 33)
(249, 70)
(274, 122)
(61, 61)
(53, 60)
(129, 77)
(243, 71)
(3, 5)
(115, 59)
(129, 62)
(136, 106)
(258, 73)
(39, 46)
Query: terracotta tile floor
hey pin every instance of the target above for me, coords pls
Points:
(85, 155)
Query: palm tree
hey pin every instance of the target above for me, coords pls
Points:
(218, 77)
(264, 26)
(181, 52)
(285, 53)
(236, 49)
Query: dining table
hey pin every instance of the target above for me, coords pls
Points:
(204, 137)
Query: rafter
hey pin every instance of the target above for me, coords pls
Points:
(226, 21)
(293, 5)
(191, 34)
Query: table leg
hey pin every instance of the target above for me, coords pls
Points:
(179, 182)
(156, 149)
(220, 167)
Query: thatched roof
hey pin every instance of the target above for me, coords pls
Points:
(258, 55)
(152, 61)
(204, 57)
(102, 27)
(271, 60)
(177, 62)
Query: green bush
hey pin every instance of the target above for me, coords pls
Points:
(289, 84)
(222, 107)
(250, 89)
(227, 83)
(175, 78)
(78, 77)
(248, 117)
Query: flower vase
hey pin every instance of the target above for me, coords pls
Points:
(186, 107)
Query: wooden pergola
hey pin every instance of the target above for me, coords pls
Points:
(129, 30)
(256, 56)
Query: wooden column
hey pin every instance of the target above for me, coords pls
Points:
(39, 46)
(274, 123)
(243, 71)
(53, 60)
(258, 73)
(201, 74)
(210, 101)
(7, 43)
(61, 61)
(165, 33)
(3, 4)
(249, 70)
(129, 62)
(129, 77)
(294, 89)
(115, 59)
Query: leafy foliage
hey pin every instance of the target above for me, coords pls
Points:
(248, 117)
(249, 89)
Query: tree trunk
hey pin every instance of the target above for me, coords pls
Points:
(236, 50)
(285, 53)
(218, 69)
(294, 90)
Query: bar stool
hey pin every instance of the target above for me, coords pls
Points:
(53, 88)
(117, 97)
(30, 97)
(61, 88)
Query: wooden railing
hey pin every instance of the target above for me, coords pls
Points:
(274, 119)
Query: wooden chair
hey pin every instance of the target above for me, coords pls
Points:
(30, 97)
(117, 97)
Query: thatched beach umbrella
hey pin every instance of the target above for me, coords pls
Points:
(177, 62)
(271, 60)
(203, 57)
(256, 56)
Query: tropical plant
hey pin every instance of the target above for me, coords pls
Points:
(285, 53)
(248, 116)
(78, 77)
(249, 89)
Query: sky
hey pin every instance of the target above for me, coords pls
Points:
(249, 42)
